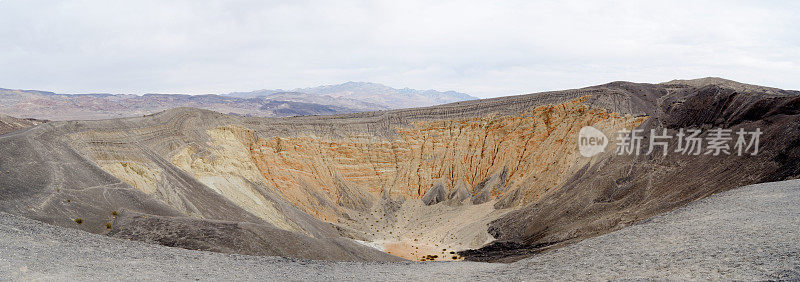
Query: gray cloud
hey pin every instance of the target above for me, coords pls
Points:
(479, 47)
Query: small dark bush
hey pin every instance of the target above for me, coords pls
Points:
(78, 220)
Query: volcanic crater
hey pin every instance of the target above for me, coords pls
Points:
(490, 180)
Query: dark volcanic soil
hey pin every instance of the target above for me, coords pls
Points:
(618, 191)
(748, 233)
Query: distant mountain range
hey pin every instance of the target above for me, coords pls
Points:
(343, 98)
(366, 94)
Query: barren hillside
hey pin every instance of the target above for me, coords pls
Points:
(9, 124)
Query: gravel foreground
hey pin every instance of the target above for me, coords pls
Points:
(749, 233)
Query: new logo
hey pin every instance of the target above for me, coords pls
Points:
(591, 141)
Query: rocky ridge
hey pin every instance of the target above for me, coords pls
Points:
(9, 124)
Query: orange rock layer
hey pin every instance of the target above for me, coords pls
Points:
(529, 154)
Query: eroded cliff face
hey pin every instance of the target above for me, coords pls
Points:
(431, 183)
(480, 159)
(386, 189)
(380, 188)
(225, 166)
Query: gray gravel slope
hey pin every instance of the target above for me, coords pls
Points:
(749, 233)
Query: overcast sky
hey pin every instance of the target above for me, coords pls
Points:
(487, 49)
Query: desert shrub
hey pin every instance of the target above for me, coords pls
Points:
(78, 220)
